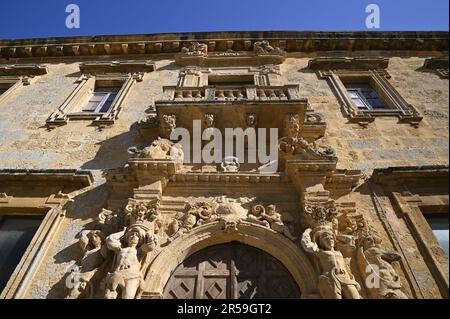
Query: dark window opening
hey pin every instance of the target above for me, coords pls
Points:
(16, 233)
(231, 80)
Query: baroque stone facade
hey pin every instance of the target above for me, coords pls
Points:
(362, 165)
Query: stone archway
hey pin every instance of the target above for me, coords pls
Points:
(274, 244)
(231, 271)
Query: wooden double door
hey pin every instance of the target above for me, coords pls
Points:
(231, 271)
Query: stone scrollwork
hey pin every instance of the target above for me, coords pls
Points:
(141, 212)
(269, 217)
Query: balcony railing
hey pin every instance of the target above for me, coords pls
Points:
(231, 93)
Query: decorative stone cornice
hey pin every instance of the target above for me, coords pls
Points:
(97, 67)
(22, 69)
(290, 41)
(47, 176)
(389, 175)
(358, 63)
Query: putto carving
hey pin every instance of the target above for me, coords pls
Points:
(336, 280)
(130, 247)
(263, 47)
(195, 48)
(269, 217)
(167, 124)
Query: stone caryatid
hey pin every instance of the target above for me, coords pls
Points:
(336, 280)
(130, 247)
(84, 276)
(375, 263)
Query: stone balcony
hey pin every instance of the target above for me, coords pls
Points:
(230, 93)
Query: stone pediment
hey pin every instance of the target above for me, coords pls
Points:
(99, 67)
(357, 63)
(22, 69)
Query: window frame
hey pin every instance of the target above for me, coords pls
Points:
(71, 109)
(379, 81)
(48, 200)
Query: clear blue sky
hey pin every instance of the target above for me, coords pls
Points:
(46, 18)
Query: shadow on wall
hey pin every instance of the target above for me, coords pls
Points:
(85, 207)
(112, 152)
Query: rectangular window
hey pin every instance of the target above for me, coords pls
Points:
(231, 80)
(101, 100)
(365, 97)
(439, 226)
(16, 232)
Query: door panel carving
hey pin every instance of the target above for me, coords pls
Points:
(231, 271)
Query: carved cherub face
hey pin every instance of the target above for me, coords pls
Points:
(326, 240)
(271, 210)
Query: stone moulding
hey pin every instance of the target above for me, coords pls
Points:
(23, 69)
(290, 41)
(98, 67)
(358, 63)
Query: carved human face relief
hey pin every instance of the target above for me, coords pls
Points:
(327, 240)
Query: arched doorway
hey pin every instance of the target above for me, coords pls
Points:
(231, 271)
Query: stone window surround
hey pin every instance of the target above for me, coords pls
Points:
(379, 81)
(14, 76)
(53, 210)
(121, 74)
(265, 75)
(413, 209)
